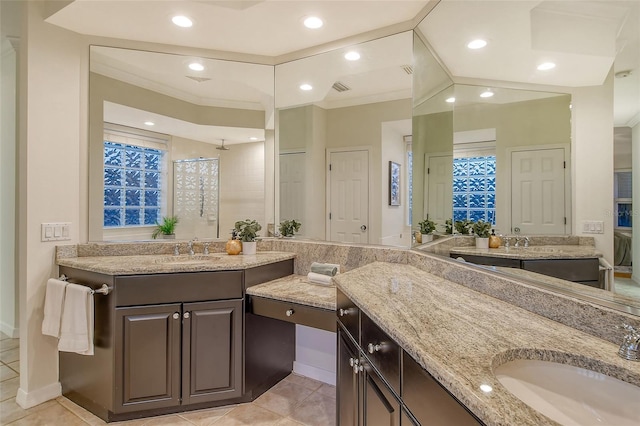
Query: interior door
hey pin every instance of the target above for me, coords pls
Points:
(538, 191)
(349, 198)
(292, 186)
(440, 188)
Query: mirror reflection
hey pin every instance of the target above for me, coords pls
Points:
(178, 136)
(343, 116)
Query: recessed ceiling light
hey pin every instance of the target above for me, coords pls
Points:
(486, 388)
(253, 138)
(486, 94)
(196, 66)
(313, 22)
(450, 100)
(149, 123)
(546, 66)
(352, 56)
(182, 21)
(477, 44)
(306, 87)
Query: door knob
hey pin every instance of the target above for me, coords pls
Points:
(363, 228)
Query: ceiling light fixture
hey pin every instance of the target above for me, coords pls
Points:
(450, 100)
(546, 66)
(486, 388)
(253, 138)
(196, 66)
(352, 56)
(313, 22)
(306, 87)
(222, 147)
(149, 123)
(486, 94)
(182, 21)
(477, 44)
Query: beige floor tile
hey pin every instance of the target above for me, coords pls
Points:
(317, 410)
(15, 366)
(328, 390)
(6, 373)
(303, 381)
(55, 414)
(170, 420)
(10, 355)
(9, 344)
(137, 422)
(288, 422)
(9, 388)
(206, 417)
(3, 336)
(249, 415)
(85, 415)
(283, 397)
(10, 411)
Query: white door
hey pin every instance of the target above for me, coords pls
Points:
(349, 198)
(538, 191)
(440, 188)
(292, 184)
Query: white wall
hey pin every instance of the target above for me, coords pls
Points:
(315, 354)
(8, 284)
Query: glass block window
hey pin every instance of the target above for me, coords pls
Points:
(474, 188)
(132, 185)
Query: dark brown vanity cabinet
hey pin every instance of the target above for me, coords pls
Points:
(378, 384)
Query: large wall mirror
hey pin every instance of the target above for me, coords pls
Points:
(178, 135)
(596, 85)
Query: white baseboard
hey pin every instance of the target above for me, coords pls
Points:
(38, 396)
(9, 330)
(316, 373)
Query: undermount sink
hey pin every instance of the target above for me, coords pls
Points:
(571, 395)
(185, 259)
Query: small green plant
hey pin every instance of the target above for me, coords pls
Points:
(448, 226)
(463, 226)
(482, 229)
(289, 227)
(427, 226)
(247, 230)
(167, 227)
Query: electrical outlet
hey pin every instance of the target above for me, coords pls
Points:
(59, 231)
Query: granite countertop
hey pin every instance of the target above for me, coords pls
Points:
(532, 252)
(459, 336)
(164, 264)
(297, 289)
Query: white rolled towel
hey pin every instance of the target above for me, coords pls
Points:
(319, 278)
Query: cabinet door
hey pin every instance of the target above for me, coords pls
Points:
(212, 351)
(147, 348)
(348, 385)
(379, 406)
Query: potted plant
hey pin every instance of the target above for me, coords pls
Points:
(482, 229)
(247, 231)
(463, 226)
(166, 228)
(427, 227)
(289, 227)
(448, 227)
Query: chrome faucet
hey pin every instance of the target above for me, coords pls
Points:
(630, 347)
(205, 250)
(523, 240)
(190, 247)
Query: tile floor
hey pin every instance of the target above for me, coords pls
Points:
(295, 401)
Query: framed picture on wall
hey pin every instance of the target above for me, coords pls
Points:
(394, 184)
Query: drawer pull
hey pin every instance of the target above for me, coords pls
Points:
(343, 312)
(374, 348)
(289, 312)
(176, 315)
(186, 315)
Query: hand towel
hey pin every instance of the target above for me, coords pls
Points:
(319, 278)
(325, 268)
(76, 330)
(53, 302)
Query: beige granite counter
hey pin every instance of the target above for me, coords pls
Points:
(532, 252)
(460, 335)
(297, 289)
(163, 263)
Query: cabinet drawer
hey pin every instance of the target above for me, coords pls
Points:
(488, 260)
(382, 351)
(293, 312)
(182, 287)
(348, 314)
(566, 269)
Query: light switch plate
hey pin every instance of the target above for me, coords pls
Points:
(593, 227)
(59, 231)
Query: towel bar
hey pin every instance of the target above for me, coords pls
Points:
(105, 289)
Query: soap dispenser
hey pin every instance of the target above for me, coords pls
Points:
(494, 240)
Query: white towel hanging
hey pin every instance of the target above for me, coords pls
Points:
(76, 329)
(53, 305)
